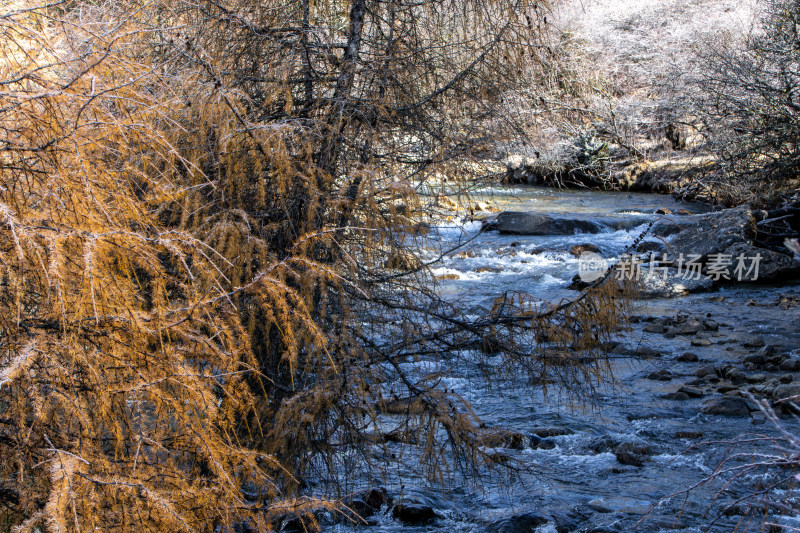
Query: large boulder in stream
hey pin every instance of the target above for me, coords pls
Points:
(729, 232)
(708, 233)
(518, 223)
(772, 265)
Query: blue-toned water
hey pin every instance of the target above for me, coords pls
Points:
(579, 484)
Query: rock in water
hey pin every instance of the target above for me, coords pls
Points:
(783, 393)
(578, 249)
(629, 453)
(772, 265)
(708, 233)
(517, 223)
(376, 497)
(413, 513)
(522, 523)
(725, 406)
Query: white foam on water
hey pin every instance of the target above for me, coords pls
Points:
(452, 230)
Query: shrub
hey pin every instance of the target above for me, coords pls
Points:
(749, 98)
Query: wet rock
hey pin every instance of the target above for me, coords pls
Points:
(292, 524)
(413, 513)
(629, 453)
(402, 436)
(376, 497)
(767, 351)
(577, 284)
(663, 211)
(725, 406)
(772, 265)
(777, 359)
(403, 261)
(691, 326)
(735, 376)
(755, 359)
(785, 393)
(551, 432)
(786, 379)
(704, 371)
(676, 396)
(700, 341)
(490, 269)
(747, 340)
(660, 375)
(691, 435)
(640, 350)
(539, 443)
(709, 233)
(764, 389)
(734, 509)
(687, 357)
(790, 365)
(578, 249)
(648, 351)
(518, 523)
(602, 444)
(655, 328)
(504, 438)
(756, 378)
(360, 507)
(645, 247)
(752, 404)
(753, 342)
(518, 223)
(691, 392)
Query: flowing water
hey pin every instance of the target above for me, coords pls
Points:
(579, 483)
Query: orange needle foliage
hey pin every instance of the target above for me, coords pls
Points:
(123, 362)
(208, 289)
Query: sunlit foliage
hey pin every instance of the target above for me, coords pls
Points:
(209, 284)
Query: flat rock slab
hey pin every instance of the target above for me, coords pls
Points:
(519, 223)
(709, 233)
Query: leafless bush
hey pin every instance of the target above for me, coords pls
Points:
(749, 100)
(622, 73)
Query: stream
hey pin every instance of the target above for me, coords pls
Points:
(577, 483)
